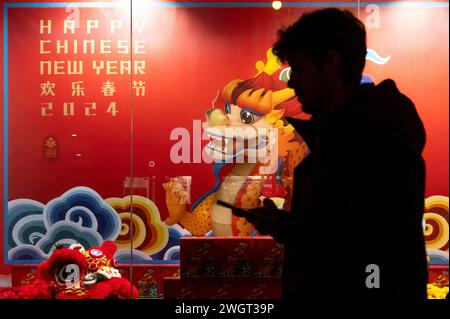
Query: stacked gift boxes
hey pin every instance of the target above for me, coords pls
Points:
(147, 278)
(227, 276)
(227, 268)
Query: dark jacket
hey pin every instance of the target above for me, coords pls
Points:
(358, 200)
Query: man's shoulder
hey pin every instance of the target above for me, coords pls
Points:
(383, 100)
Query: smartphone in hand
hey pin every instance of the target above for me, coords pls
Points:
(240, 212)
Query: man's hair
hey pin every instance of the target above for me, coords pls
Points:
(320, 31)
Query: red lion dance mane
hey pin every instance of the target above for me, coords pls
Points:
(76, 273)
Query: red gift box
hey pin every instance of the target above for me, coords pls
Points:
(177, 288)
(124, 270)
(259, 288)
(144, 278)
(23, 275)
(268, 257)
(197, 257)
(172, 271)
(216, 288)
(438, 274)
(233, 257)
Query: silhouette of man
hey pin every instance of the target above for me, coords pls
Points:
(355, 225)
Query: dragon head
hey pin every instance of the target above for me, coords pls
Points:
(248, 125)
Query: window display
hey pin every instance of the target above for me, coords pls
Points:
(124, 123)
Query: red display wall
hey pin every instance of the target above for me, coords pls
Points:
(184, 54)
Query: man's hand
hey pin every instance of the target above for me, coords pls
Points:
(266, 219)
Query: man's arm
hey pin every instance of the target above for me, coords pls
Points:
(269, 220)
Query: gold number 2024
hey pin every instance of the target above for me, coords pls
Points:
(68, 109)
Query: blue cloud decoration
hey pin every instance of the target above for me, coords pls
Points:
(32, 229)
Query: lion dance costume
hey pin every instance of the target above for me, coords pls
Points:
(76, 273)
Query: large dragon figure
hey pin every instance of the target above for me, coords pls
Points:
(250, 119)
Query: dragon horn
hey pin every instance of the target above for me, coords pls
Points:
(270, 67)
(272, 64)
(259, 67)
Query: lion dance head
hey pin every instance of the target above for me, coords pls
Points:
(76, 273)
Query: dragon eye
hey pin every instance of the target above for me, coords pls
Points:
(247, 117)
(227, 108)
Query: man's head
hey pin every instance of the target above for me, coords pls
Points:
(326, 50)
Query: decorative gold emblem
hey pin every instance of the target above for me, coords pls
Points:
(50, 148)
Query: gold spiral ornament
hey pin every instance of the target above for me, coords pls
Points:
(150, 235)
(436, 222)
